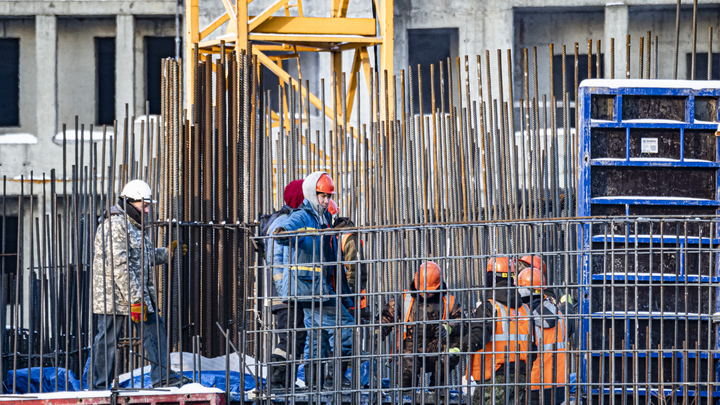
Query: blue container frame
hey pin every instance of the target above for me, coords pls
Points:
(586, 202)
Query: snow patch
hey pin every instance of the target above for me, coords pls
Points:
(95, 136)
(18, 139)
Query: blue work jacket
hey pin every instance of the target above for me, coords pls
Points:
(312, 259)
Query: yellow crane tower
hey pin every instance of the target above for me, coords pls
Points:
(268, 33)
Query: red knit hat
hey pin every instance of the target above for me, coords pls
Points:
(294, 193)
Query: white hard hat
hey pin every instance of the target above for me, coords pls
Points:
(137, 190)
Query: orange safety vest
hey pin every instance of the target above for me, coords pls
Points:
(551, 342)
(512, 334)
(409, 300)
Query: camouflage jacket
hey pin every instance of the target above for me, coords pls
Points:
(120, 255)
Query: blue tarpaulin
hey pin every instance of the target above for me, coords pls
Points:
(364, 374)
(211, 378)
(29, 381)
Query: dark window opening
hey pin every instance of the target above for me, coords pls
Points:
(156, 49)
(701, 66)
(8, 240)
(104, 81)
(9, 82)
(429, 47)
(570, 80)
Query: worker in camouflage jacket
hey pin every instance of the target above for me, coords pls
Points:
(123, 285)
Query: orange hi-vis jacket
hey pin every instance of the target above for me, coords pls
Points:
(551, 342)
(510, 341)
(409, 300)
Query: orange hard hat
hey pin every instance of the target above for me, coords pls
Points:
(333, 208)
(501, 264)
(429, 273)
(532, 261)
(531, 277)
(325, 184)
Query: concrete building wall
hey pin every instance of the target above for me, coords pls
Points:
(15, 158)
(540, 28)
(77, 67)
(661, 22)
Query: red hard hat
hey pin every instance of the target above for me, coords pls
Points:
(429, 272)
(531, 277)
(533, 261)
(325, 184)
(501, 264)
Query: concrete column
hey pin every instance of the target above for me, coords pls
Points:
(46, 65)
(499, 26)
(616, 26)
(124, 66)
(499, 33)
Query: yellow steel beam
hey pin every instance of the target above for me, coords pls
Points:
(284, 76)
(367, 69)
(314, 41)
(342, 12)
(215, 25)
(387, 32)
(354, 76)
(192, 37)
(336, 61)
(287, 48)
(303, 39)
(241, 43)
(255, 21)
(230, 9)
(317, 26)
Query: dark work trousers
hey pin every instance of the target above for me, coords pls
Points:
(288, 318)
(431, 363)
(548, 396)
(106, 341)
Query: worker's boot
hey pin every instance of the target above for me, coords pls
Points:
(311, 375)
(329, 382)
(278, 376)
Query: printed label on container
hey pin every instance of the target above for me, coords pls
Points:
(649, 145)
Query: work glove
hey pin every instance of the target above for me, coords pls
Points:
(454, 357)
(445, 330)
(173, 246)
(138, 311)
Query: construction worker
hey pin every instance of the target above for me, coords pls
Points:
(312, 262)
(123, 286)
(551, 335)
(425, 301)
(531, 261)
(287, 314)
(501, 332)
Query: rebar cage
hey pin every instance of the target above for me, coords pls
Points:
(648, 335)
